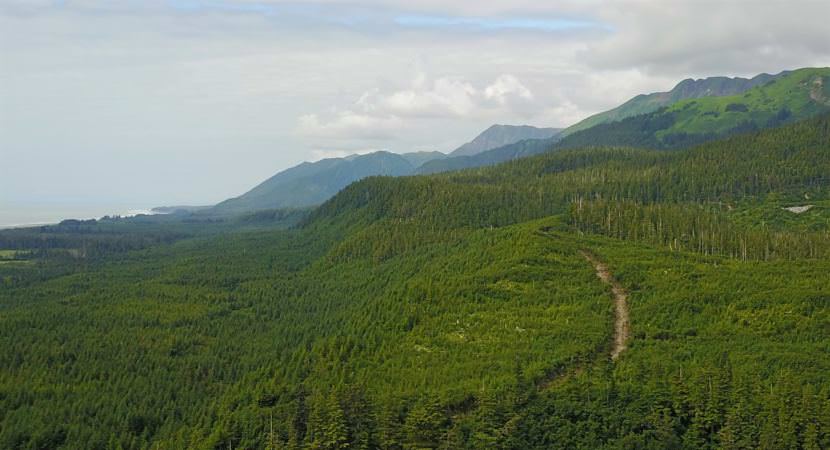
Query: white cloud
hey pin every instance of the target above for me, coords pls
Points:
(379, 115)
(444, 97)
(505, 88)
(694, 37)
(214, 90)
(349, 125)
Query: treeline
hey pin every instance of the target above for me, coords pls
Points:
(665, 198)
(709, 407)
(792, 161)
(650, 131)
(699, 227)
(94, 239)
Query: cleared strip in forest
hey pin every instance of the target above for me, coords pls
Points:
(560, 375)
(622, 328)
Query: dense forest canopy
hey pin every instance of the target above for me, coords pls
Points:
(445, 311)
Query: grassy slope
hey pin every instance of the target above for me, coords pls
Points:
(792, 97)
(641, 104)
(791, 92)
(647, 103)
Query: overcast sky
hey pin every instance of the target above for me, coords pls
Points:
(192, 101)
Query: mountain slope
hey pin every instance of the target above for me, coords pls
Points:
(784, 98)
(794, 96)
(686, 89)
(418, 159)
(500, 135)
(313, 183)
(793, 159)
(509, 152)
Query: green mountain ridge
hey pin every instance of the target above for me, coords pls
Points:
(313, 183)
(695, 111)
(498, 155)
(784, 98)
(795, 96)
(799, 94)
(310, 184)
(686, 89)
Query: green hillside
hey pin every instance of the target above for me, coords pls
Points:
(447, 311)
(310, 184)
(799, 94)
(658, 121)
(791, 97)
(686, 89)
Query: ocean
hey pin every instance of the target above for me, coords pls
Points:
(33, 215)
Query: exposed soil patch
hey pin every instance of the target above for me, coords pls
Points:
(798, 209)
(622, 328)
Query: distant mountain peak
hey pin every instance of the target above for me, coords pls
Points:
(499, 135)
(717, 86)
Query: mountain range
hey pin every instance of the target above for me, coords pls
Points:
(312, 183)
(784, 98)
(694, 111)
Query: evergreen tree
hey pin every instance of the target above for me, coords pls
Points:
(425, 424)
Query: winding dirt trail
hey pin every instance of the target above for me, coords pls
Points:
(621, 321)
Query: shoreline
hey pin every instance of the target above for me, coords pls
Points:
(130, 213)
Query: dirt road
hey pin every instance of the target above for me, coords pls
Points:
(621, 321)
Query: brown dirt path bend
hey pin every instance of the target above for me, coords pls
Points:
(622, 327)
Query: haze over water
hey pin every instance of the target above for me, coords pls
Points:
(41, 214)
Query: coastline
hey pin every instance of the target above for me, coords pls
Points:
(53, 218)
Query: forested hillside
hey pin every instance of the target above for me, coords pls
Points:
(455, 310)
(312, 183)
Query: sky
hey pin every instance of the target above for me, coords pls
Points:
(169, 102)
